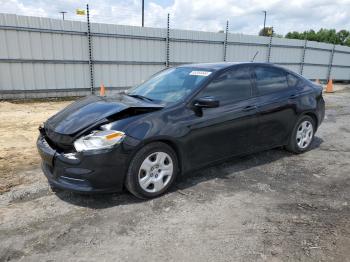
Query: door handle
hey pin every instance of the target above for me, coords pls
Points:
(249, 108)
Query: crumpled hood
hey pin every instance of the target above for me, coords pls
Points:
(91, 110)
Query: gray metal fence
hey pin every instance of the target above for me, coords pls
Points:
(42, 57)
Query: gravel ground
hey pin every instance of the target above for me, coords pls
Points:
(270, 206)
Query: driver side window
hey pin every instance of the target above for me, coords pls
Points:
(231, 86)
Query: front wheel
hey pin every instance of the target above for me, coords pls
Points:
(302, 136)
(152, 170)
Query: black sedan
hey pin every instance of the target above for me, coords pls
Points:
(181, 119)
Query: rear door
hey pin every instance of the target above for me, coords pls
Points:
(276, 105)
(229, 129)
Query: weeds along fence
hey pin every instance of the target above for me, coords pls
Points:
(42, 57)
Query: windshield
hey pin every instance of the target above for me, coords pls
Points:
(171, 85)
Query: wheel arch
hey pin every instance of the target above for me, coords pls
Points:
(169, 142)
(313, 115)
(308, 113)
(176, 149)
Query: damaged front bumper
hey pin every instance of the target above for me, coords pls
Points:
(85, 172)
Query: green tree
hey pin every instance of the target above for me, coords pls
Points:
(341, 37)
(347, 42)
(293, 35)
(267, 31)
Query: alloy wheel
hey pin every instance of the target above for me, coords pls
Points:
(304, 134)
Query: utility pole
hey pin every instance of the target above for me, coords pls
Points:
(63, 12)
(264, 19)
(143, 13)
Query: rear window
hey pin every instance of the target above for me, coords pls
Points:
(270, 80)
(292, 80)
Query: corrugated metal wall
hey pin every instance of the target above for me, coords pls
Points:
(41, 57)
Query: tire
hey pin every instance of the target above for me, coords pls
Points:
(302, 135)
(54, 189)
(152, 171)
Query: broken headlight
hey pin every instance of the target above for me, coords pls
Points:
(99, 140)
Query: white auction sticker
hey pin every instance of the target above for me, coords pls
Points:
(200, 73)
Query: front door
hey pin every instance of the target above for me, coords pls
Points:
(231, 128)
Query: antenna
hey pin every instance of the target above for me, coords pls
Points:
(257, 52)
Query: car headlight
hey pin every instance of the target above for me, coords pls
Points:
(99, 140)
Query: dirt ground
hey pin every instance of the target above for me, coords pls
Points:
(19, 124)
(270, 206)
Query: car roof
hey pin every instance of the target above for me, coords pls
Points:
(222, 65)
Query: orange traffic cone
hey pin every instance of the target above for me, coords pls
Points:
(102, 90)
(329, 88)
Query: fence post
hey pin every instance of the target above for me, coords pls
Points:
(330, 63)
(91, 65)
(167, 42)
(269, 51)
(225, 42)
(303, 58)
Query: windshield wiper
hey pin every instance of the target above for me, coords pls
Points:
(141, 97)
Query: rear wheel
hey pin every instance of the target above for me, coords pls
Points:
(152, 170)
(302, 136)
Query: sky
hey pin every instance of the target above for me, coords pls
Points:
(245, 16)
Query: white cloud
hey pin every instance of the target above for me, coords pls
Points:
(18, 7)
(244, 16)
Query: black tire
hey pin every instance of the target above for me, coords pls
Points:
(293, 145)
(132, 177)
(54, 189)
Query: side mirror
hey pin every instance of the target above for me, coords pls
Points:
(206, 102)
